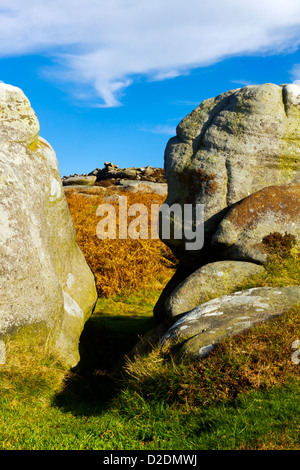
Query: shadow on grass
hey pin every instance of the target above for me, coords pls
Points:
(104, 343)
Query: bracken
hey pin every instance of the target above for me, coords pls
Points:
(120, 266)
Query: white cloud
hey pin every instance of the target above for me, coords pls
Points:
(243, 82)
(163, 129)
(295, 73)
(100, 47)
(186, 103)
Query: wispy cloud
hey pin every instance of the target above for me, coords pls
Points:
(186, 103)
(99, 47)
(295, 74)
(163, 129)
(242, 82)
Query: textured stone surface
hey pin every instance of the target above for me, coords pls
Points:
(273, 209)
(86, 191)
(18, 120)
(181, 273)
(199, 330)
(144, 187)
(47, 290)
(231, 146)
(212, 280)
(80, 180)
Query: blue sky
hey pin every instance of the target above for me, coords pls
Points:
(110, 80)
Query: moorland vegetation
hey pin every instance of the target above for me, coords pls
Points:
(244, 395)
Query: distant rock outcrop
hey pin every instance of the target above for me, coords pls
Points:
(112, 171)
(115, 179)
(47, 290)
(114, 174)
(142, 180)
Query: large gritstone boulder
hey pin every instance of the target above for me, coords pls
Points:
(47, 290)
(228, 148)
(210, 281)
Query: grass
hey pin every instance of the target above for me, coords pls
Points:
(259, 358)
(243, 396)
(150, 261)
(279, 272)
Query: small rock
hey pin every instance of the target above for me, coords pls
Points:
(144, 186)
(80, 180)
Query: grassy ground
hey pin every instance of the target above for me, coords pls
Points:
(244, 396)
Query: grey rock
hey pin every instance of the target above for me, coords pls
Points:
(47, 290)
(128, 173)
(84, 180)
(88, 192)
(210, 281)
(18, 120)
(159, 310)
(229, 147)
(114, 173)
(144, 186)
(241, 233)
(197, 332)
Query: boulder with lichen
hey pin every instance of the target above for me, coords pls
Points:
(47, 290)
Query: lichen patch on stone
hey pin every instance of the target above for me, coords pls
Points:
(6, 230)
(293, 93)
(71, 307)
(70, 280)
(213, 314)
(204, 350)
(55, 191)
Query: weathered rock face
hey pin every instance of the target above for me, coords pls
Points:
(144, 187)
(197, 332)
(241, 233)
(84, 191)
(212, 280)
(229, 147)
(80, 180)
(239, 155)
(47, 290)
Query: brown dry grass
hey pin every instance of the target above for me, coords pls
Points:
(120, 266)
